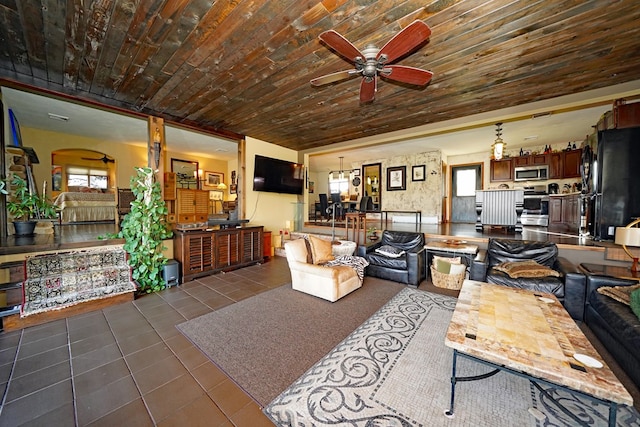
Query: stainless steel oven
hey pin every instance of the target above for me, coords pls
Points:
(536, 207)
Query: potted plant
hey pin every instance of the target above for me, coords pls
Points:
(144, 229)
(26, 207)
(373, 233)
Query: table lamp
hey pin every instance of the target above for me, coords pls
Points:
(629, 236)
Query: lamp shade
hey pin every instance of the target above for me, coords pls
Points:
(627, 236)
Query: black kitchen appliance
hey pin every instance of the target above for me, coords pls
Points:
(611, 193)
(553, 188)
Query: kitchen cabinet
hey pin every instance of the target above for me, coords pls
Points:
(204, 252)
(501, 170)
(571, 164)
(565, 164)
(564, 212)
(533, 159)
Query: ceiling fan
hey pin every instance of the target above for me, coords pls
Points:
(373, 62)
(105, 159)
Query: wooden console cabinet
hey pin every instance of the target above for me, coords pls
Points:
(202, 253)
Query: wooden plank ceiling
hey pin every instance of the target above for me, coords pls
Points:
(243, 66)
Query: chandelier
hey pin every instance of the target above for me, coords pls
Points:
(498, 146)
(340, 173)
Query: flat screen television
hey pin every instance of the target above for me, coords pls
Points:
(277, 176)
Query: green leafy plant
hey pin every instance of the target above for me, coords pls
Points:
(24, 204)
(144, 229)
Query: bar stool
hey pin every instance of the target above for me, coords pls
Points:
(357, 221)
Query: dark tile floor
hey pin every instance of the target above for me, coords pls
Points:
(129, 365)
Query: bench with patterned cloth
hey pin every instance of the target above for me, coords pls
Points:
(62, 279)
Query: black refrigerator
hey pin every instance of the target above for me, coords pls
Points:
(615, 189)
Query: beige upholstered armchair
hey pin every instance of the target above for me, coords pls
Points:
(330, 283)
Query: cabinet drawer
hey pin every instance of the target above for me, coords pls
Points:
(186, 218)
(201, 217)
(171, 218)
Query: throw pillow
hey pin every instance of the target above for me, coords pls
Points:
(389, 251)
(453, 260)
(321, 250)
(635, 302)
(457, 269)
(619, 293)
(528, 268)
(442, 266)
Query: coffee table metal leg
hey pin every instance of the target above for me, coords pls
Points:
(454, 379)
(449, 413)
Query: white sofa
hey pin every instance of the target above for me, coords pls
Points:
(330, 283)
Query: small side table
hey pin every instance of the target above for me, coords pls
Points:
(609, 270)
(447, 249)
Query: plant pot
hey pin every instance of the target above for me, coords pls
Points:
(24, 228)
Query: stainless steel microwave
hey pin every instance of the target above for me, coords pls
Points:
(531, 173)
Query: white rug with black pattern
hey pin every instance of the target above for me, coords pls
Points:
(394, 370)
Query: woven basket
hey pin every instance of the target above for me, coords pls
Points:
(447, 281)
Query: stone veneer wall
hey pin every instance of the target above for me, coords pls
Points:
(419, 195)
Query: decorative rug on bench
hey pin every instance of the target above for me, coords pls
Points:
(394, 370)
(59, 280)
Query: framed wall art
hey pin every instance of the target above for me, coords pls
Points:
(397, 178)
(186, 173)
(213, 179)
(417, 173)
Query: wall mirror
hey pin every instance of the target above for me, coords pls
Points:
(186, 173)
(371, 177)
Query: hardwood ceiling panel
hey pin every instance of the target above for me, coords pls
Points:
(244, 66)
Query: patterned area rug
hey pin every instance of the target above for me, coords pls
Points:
(394, 370)
(58, 280)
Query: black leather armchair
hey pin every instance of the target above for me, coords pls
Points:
(408, 268)
(569, 288)
(614, 324)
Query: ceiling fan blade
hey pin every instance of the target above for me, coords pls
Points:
(411, 75)
(368, 89)
(334, 77)
(405, 41)
(340, 45)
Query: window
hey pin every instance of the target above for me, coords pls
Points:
(79, 176)
(465, 182)
(339, 186)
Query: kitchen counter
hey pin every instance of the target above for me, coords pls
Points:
(501, 207)
(573, 193)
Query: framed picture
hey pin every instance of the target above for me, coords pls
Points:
(356, 172)
(233, 188)
(186, 173)
(417, 173)
(312, 186)
(213, 179)
(397, 178)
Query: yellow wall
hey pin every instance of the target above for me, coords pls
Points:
(127, 156)
(271, 210)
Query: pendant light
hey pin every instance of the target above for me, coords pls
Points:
(499, 145)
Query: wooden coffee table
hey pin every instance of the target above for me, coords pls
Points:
(531, 335)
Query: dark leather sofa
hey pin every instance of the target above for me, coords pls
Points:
(614, 324)
(408, 268)
(569, 288)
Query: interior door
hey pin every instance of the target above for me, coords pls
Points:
(465, 180)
